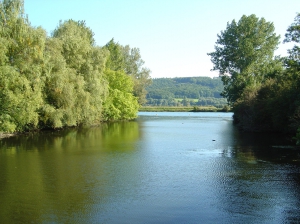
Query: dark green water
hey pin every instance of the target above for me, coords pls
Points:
(161, 168)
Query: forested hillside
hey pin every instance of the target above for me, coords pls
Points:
(189, 91)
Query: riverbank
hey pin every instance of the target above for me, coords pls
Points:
(142, 109)
(2, 135)
(183, 109)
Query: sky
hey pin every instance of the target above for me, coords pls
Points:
(174, 36)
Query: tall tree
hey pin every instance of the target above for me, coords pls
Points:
(139, 74)
(292, 63)
(76, 90)
(115, 61)
(128, 60)
(293, 35)
(21, 59)
(62, 89)
(243, 53)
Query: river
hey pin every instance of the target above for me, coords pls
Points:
(164, 167)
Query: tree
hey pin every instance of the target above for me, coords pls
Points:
(139, 74)
(293, 35)
(243, 53)
(75, 88)
(292, 63)
(21, 59)
(293, 31)
(116, 60)
(62, 89)
(129, 61)
(120, 103)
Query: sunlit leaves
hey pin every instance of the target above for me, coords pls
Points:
(243, 52)
(21, 58)
(128, 60)
(59, 81)
(293, 31)
(120, 104)
(18, 101)
(75, 88)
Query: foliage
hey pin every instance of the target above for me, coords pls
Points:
(198, 91)
(129, 61)
(65, 79)
(120, 104)
(267, 98)
(243, 54)
(74, 85)
(20, 68)
(292, 63)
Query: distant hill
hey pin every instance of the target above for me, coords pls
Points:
(187, 91)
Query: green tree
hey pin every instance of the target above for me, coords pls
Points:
(128, 60)
(21, 62)
(293, 35)
(243, 53)
(120, 104)
(139, 74)
(292, 63)
(77, 89)
(116, 60)
(62, 89)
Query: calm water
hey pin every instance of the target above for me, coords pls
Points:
(161, 168)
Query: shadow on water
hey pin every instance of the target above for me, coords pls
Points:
(48, 176)
(264, 169)
(271, 147)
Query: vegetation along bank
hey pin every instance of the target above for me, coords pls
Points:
(64, 79)
(263, 90)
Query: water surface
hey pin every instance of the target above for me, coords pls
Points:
(162, 168)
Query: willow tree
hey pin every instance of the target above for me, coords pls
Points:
(75, 87)
(61, 90)
(243, 54)
(21, 60)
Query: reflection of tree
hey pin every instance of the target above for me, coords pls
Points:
(252, 185)
(271, 147)
(53, 176)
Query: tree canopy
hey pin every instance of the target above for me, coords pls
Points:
(129, 61)
(64, 79)
(21, 61)
(263, 90)
(243, 53)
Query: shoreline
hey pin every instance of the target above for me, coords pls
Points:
(182, 109)
(2, 135)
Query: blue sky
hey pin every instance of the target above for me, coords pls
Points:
(174, 36)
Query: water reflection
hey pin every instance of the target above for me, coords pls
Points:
(161, 168)
(262, 179)
(58, 175)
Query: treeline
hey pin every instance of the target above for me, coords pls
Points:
(262, 89)
(189, 91)
(64, 79)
